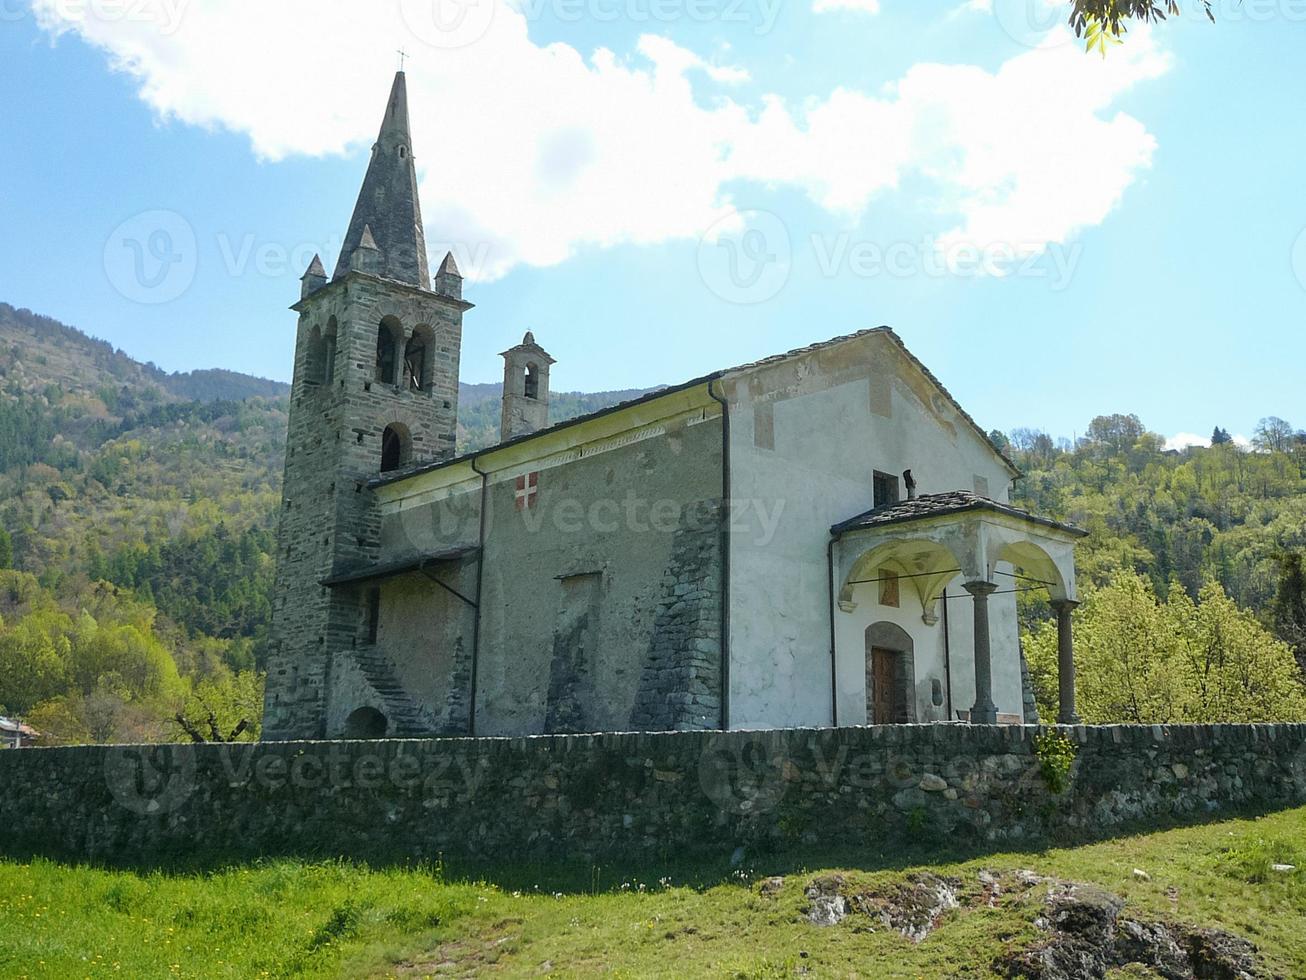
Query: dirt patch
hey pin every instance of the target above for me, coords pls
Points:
(460, 958)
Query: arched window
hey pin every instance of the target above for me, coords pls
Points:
(315, 358)
(329, 352)
(366, 723)
(394, 447)
(418, 355)
(387, 350)
(532, 388)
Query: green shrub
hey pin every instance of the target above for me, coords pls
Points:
(1056, 756)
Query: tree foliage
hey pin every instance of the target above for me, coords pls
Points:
(1141, 660)
(1103, 22)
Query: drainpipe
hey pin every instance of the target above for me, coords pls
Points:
(834, 686)
(947, 656)
(725, 555)
(480, 579)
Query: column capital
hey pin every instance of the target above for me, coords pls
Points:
(1067, 604)
(979, 588)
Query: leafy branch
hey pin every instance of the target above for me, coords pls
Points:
(1104, 22)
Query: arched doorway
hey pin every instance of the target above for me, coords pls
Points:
(890, 675)
(366, 723)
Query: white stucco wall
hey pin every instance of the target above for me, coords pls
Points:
(837, 415)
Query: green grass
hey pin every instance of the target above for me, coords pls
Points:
(290, 918)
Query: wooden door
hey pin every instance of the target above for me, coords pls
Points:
(882, 686)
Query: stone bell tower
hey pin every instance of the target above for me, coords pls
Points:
(525, 389)
(375, 390)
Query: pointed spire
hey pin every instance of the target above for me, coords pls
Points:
(448, 280)
(529, 345)
(313, 279)
(388, 203)
(366, 257)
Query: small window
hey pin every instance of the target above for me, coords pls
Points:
(415, 359)
(385, 355)
(316, 359)
(329, 368)
(394, 447)
(532, 387)
(888, 588)
(373, 614)
(885, 489)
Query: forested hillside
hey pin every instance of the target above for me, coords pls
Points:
(137, 510)
(1195, 602)
(137, 515)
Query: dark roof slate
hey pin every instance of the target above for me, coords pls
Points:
(388, 214)
(937, 504)
(397, 566)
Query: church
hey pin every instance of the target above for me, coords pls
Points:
(819, 538)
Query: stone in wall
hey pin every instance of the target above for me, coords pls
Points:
(680, 685)
(457, 704)
(634, 795)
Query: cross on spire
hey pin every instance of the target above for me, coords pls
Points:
(402, 56)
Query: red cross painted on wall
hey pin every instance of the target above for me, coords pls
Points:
(528, 491)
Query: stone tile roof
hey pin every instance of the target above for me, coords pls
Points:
(387, 204)
(937, 504)
(715, 375)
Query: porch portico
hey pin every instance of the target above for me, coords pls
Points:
(890, 569)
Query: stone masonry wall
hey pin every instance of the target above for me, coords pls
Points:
(680, 685)
(655, 795)
(333, 447)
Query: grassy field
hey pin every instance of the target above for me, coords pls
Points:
(288, 918)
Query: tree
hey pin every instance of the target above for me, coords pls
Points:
(1116, 433)
(1220, 436)
(1101, 22)
(1143, 661)
(1273, 435)
(1288, 614)
(223, 708)
(6, 550)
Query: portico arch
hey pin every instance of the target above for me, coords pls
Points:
(935, 538)
(1034, 565)
(923, 566)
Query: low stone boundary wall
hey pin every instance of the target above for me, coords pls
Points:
(657, 796)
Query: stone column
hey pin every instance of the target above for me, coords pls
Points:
(1066, 714)
(985, 712)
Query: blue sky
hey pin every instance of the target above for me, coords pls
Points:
(657, 188)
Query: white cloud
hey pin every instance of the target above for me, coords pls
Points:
(530, 152)
(1185, 440)
(863, 6)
